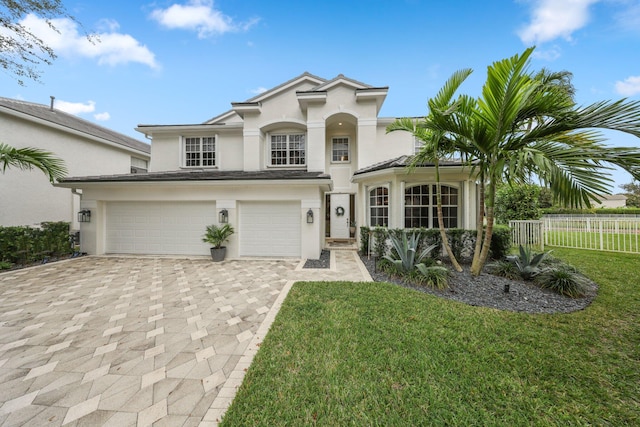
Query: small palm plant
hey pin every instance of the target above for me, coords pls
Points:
(217, 235)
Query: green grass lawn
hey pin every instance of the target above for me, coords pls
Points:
(624, 242)
(359, 354)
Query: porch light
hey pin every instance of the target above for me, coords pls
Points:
(223, 216)
(309, 216)
(84, 215)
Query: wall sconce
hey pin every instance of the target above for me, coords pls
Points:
(309, 216)
(84, 215)
(223, 216)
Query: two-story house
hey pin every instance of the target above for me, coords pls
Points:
(27, 197)
(289, 169)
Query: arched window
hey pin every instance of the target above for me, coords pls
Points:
(420, 206)
(379, 207)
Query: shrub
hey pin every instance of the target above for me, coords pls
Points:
(380, 235)
(503, 268)
(364, 240)
(405, 255)
(500, 241)
(517, 202)
(562, 280)
(24, 245)
(435, 276)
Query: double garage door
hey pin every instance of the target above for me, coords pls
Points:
(176, 228)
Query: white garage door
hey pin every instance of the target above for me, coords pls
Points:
(171, 228)
(270, 229)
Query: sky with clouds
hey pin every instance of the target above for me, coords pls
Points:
(185, 61)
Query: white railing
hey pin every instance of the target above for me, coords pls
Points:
(527, 233)
(603, 234)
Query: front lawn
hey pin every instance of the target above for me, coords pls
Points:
(378, 354)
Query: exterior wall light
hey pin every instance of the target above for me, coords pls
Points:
(309, 216)
(84, 215)
(223, 216)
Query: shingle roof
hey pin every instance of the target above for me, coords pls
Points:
(203, 175)
(60, 118)
(404, 161)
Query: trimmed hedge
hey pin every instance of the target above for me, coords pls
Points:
(25, 245)
(592, 211)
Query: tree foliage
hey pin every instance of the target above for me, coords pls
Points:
(526, 125)
(27, 158)
(632, 191)
(22, 51)
(517, 202)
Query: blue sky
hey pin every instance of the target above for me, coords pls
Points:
(185, 61)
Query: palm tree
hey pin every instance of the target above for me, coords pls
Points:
(527, 125)
(436, 146)
(27, 158)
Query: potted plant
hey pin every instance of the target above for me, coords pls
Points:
(352, 228)
(216, 235)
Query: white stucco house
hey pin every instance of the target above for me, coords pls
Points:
(290, 169)
(611, 201)
(27, 197)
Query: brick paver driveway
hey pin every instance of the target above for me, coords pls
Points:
(136, 341)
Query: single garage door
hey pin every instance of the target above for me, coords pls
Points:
(270, 229)
(165, 228)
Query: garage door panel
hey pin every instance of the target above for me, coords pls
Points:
(270, 229)
(172, 228)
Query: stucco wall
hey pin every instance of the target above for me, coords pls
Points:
(27, 197)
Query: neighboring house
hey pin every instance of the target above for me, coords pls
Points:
(28, 198)
(291, 167)
(612, 201)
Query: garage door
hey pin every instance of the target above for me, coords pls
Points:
(171, 228)
(270, 229)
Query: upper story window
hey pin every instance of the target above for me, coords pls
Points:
(138, 165)
(340, 149)
(200, 151)
(288, 149)
(420, 206)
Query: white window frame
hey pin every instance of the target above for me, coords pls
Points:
(431, 206)
(187, 139)
(333, 150)
(381, 206)
(289, 149)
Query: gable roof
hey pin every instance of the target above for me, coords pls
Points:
(58, 119)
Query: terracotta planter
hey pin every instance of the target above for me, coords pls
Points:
(217, 254)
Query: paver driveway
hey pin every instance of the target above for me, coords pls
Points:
(137, 341)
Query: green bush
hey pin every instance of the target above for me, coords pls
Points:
(563, 280)
(380, 235)
(24, 245)
(592, 211)
(500, 241)
(364, 240)
(517, 202)
(503, 268)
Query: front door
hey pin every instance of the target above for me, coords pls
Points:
(340, 216)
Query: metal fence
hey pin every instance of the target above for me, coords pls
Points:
(602, 234)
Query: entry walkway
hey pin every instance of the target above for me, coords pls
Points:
(118, 341)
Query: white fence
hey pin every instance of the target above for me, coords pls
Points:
(603, 234)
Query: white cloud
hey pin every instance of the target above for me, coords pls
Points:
(548, 54)
(75, 108)
(259, 90)
(109, 48)
(553, 19)
(629, 87)
(200, 16)
(102, 117)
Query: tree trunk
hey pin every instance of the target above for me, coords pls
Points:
(477, 267)
(479, 227)
(443, 233)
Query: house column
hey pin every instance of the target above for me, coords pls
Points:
(366, 135)
(310, 236)
(251, 149)
(92, 236)
(316, 146)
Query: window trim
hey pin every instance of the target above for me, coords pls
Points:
(288, 157)
(333, 140)
(183, 151)
(431, 207)
(370, 206)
